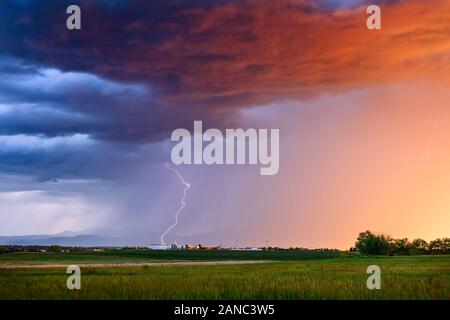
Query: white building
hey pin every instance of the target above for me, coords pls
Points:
(253, 249)
(159, 246)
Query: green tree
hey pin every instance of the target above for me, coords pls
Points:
(369, 243)
(446, 245)
(400, 247)
(55, 248)
(440, 246)
(419, 246)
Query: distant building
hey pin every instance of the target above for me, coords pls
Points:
(159, 246)
(253, 249)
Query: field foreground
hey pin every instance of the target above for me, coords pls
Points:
(25, 277)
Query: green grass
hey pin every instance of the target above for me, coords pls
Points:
(69, 258)
(156, 255)
(425, 277)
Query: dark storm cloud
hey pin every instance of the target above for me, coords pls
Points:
(90, 92)
(41, 100)
(56, 124)
(218, 56)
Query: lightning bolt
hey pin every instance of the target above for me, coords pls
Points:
(443, 123)
(424, 156)
(182, 201)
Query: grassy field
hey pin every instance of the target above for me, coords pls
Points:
(322, 277)
(156, 255)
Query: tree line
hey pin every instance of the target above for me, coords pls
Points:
(369, 243)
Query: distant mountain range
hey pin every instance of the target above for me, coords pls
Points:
(68, 241)
(85, 238)
(110, 238)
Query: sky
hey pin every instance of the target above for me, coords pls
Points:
(86, 117)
